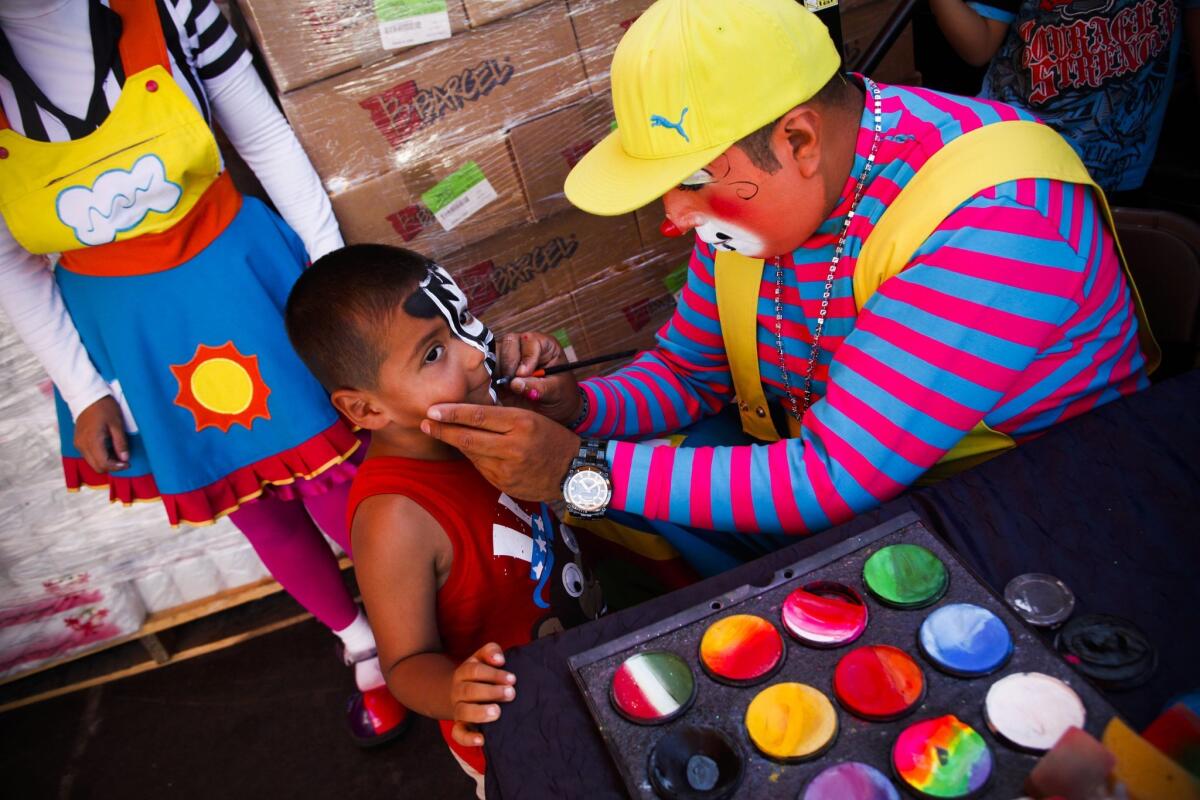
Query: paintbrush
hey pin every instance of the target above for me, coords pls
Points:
(587, 362)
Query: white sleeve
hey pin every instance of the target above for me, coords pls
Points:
(31, 300)
(262, 137)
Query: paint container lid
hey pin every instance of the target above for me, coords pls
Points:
(1110, 650)
(965, 640)
(741, 650)
(851, 780)
(1031, 710)
(942, 757)
(878, 682)
(791, 722)
(824, 614)
(652, 688)
(1041, 600)
(905, 576)
(695, 763)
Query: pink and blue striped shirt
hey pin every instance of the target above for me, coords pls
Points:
(1015, 312)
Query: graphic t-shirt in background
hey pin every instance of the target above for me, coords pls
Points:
(1098, 71)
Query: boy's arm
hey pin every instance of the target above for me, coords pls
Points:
(975, 36)
(400, 551)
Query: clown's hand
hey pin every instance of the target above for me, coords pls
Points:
(477, 689)
(519, 355)
(523, 454)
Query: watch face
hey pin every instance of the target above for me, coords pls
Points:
(588, 490)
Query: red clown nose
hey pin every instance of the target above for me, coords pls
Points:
(670, 229)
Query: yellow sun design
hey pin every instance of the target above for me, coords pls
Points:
(222, 387)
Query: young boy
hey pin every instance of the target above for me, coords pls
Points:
(452, 571)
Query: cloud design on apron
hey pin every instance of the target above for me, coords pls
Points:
(118, 201)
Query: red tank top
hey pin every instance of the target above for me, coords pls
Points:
(516, 573)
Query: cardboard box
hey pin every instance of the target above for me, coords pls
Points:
(303, 42)
(560, 319)
(385, 117)
(543, 263)
(599, 25)
(547, 148)
(481, 12)
(394, 208)
(632, 302)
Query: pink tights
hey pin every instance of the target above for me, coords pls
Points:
(288, 541)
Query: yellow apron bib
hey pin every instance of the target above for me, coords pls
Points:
(141, 173)
(987, 156)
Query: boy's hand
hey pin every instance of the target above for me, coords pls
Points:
(519, 354)
(475, 690)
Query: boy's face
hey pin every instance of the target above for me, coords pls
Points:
(426, 364)
(445, 355)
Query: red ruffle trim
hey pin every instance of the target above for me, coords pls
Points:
(291, 473)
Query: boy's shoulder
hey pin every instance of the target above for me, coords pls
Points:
(396, 523)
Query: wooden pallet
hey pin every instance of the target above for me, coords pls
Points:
(167, 637)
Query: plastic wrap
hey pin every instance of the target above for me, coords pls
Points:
(66, 622)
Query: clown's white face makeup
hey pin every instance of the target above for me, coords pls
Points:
(727, 236)
(451, 303)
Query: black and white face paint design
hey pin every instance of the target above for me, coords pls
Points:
(451, 303)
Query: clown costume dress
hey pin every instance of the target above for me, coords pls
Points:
(170, 285)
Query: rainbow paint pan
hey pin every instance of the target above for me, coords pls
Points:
(652, 688)
(824, 614)
(965, 640)
(851, 780)
(878, 682)
(942, 757)
(791, 722)
(741, 650)
(906, 576)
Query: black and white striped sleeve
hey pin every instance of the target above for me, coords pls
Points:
(211, 43)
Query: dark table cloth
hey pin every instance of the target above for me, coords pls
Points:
(1108, 502)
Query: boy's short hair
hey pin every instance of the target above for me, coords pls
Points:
(340, 307)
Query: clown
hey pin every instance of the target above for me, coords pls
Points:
(161, 326)
(888, 284)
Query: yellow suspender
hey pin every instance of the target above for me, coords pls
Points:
(988, 156)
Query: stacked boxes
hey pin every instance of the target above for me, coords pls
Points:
(449, 126)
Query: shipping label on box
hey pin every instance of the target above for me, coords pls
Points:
(446, 94)
(546, 149)
(542, 263)
(599, 25)
(405, 23)
(439, 205)
(304, 42)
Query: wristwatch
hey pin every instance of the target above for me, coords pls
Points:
(587, 487)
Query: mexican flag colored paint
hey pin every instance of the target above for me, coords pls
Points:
(942, 757)
(651, 688)
(741, 649)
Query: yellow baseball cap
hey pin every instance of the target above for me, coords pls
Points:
(690, 78)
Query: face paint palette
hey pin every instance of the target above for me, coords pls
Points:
(848, 675)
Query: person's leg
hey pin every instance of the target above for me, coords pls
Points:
(328, 510)
(297, 556)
